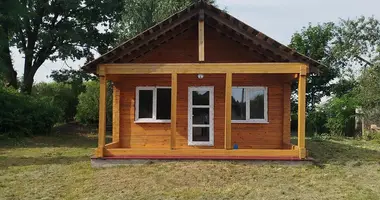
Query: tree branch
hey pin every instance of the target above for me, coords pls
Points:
(22, 37)
(364, 60)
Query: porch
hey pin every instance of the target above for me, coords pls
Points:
(114, 149)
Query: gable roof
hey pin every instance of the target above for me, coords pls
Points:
(218, 19)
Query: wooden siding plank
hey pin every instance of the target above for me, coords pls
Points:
(173, 111)
(206, 68)
(301, 115)
(227, 124)
(102, 116)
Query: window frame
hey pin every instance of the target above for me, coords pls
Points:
(248, 106)
(154, 105)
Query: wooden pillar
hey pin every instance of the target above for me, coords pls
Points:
(201, 36)
(227, 124)
(102, 116)
(173, 117)
(115, 114)
(286, 115)
(301, 114)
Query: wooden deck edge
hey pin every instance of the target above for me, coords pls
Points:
(130, 160)
(147, 157)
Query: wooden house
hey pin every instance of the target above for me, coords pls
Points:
(202, 85)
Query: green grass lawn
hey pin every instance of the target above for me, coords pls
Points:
(58, 167)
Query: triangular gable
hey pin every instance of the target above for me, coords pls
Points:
(219, 20)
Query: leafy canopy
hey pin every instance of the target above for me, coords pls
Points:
(314, 41)
(142, 14)
(61, 29)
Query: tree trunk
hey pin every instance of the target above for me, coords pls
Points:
(10, 73)
(27, 83)
(28, 78)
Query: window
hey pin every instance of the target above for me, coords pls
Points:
(249, 105)
(153, 104)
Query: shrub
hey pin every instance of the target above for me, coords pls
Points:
(60, 95)
(88, 106)
(26, 115)
(316, 121)
(341, 115)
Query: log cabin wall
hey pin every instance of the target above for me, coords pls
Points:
(218, 48)
(270, 135)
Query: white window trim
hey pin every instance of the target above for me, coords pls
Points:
(154, 103)
(190, 116)
(247, 106)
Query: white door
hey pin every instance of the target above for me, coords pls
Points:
(201, 116)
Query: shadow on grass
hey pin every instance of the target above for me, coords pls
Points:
(6, 161)
(337, 152)
(67, 135)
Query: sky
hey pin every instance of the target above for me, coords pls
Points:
(278, 19)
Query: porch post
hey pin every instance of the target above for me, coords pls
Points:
(302, 111)
(116, 113)
(102, 115)
(227, 125)
(173, 116)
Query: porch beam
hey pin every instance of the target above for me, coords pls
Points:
(173, 117)
(204, 68)
(102, 116)
(227, 124)
(202, 152)
(301, 114)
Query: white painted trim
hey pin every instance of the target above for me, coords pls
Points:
(247, 106)
(190, 116)
(249, 121)
(141, 121)
(154, 105)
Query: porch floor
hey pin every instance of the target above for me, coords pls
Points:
(153, 157)
(202, 154)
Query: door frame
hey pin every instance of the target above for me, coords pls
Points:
(190, 107)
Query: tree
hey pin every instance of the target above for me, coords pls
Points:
(61, 29)
(314, 41)
(142, 14)
(7, 29)
(75, 78)
(357, 42)
(368, 93)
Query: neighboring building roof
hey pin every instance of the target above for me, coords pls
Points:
(215, 18)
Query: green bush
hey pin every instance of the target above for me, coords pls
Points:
(26, 115)
(88, 106)
(60, 95)
(316, 122)
(341, 115)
